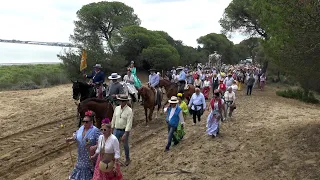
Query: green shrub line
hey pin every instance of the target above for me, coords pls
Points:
(298, 94)
(36, 76)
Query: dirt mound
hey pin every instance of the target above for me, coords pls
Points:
(268, 138)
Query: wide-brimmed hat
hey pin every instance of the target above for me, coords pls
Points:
(97, 66)
(173, 100)
(132, 62)
(123, 97)
(114, 76)
(180, 68)
(152, 70)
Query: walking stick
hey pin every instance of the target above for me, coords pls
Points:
(62, 126)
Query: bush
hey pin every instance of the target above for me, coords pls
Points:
(298, 94)
(31, 76)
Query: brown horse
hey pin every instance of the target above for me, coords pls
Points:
(148, 96)
(101, 108)
(172, 89)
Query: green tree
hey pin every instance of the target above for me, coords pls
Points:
(100, 23)
(160, 57)
(220, 43)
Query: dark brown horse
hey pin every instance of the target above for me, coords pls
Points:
(148, 96)
(172, 89)
(101, 108)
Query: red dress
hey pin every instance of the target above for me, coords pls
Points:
(99, 175)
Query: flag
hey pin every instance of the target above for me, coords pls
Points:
(83, 63)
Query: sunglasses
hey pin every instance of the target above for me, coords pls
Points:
(86, 121)
(103, 129)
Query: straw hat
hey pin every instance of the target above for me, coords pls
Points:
(106, 167)
(123, 97)
(114, 76)
(173, 100)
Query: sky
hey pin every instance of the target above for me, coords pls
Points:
(52, 20)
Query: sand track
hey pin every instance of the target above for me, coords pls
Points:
(268, 138)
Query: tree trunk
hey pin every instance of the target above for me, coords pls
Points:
(265, 66)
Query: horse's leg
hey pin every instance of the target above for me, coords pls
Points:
(98, 122)
(146, 114)
(151, 113)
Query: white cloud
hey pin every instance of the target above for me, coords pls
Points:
(52, 20)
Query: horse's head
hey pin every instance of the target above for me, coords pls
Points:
(75, 90)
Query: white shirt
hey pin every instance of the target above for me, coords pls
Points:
(234, 88)
(206, 83)
(111, 145)
(181, 119)
(229, 96)
(197, 100)
(216, 104)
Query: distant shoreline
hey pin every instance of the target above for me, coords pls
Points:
(31, 63)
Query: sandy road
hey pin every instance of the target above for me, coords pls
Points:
(268, 138)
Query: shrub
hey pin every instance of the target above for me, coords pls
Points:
(298, 94)
(32, 76)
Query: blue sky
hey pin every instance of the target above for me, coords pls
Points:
(52, 20)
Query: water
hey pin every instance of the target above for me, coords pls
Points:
(13, 53)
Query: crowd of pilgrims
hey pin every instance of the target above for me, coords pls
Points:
(99, 149)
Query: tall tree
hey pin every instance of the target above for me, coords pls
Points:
(102, 21)
(218, 42)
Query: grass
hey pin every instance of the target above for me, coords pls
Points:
(298, 94)
(17, 77)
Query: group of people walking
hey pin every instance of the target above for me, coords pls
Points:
(99, 149)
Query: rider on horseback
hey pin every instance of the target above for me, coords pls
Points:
(154, 80)
(115, 88)
(181, 79)
(97, 77)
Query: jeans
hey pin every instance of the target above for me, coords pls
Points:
(249, 89)
(171, 130)
(119, 134)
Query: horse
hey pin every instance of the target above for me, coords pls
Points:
(148, 96)
(82, 90)
(85, 90)
(102, 109)
(172, 89)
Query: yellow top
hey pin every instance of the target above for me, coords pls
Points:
(122, 118)
(184, 107)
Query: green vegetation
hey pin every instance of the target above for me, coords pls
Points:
(288, 31)
(31, 76)
(111, 34)
(298, 94)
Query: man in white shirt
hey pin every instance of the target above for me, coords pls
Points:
(121, 124)
(230, 99)
(128, 78)
(197, 104)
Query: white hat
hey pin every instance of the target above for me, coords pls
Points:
(114, 76)
(173, 100)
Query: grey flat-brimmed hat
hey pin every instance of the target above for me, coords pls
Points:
(97, 66)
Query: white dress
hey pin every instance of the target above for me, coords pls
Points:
(212, 121)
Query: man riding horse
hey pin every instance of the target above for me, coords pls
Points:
(154, 80)
(97, 77)
(181, 79)
(115, 88)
